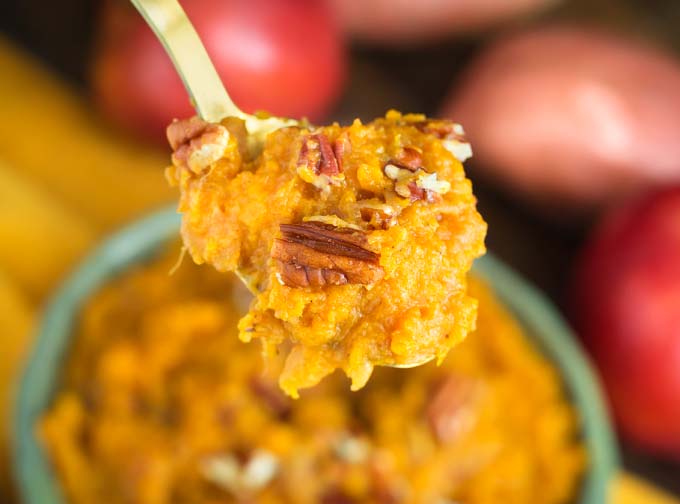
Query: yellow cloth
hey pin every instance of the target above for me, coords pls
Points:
(65, 179)
(52, 136)
(40, 237)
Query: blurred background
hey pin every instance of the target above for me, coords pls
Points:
(572, 108)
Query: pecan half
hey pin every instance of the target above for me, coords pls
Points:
(196, 143)
(431, 185)
(451, 134)
(317, 163)
(317, 254)
(384, 489)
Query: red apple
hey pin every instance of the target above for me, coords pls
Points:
(283, 56)
(572, 117)
(409, 21)
(626, 307)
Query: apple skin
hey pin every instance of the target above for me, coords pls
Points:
(626, 307)
(288, 58)
(571, 118)
(408, 22)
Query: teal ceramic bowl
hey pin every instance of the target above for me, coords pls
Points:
(35, 478)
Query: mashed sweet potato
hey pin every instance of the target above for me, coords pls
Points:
(161, 404)
(357, 239)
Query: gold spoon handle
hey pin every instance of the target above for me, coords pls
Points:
(173, 28)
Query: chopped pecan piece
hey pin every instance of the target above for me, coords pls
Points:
(378, 215)
(241, 474)
(341, 147)
(451, 134)
(441, 128)
(317, 254)
(196, 143)
(418, 185)
(451, 412)
(181, 132)
(317, 163)
(271, 396)
(410, 158)
(336, 496)
(418, 193)
(352, 449)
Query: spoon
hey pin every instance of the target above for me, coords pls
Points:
(209, 97)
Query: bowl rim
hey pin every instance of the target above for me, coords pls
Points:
(140, 240)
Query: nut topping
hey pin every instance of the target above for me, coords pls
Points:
(429, 182)
(418, 185)
(441, 128)
(317, 162)
(336, 496)
(341, 146)
(238, 477)
(271, 396)
(378, 215)
(451, 411)
(196, 143)
(410, 158)
(181, 132)
(416, 193)
(451, 134)
(317, 254)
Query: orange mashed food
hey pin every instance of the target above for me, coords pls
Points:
(161, 404)
(357, 240)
